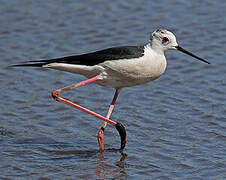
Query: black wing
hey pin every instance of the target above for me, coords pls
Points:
(90, 59)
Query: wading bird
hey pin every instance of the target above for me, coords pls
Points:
(116, 67)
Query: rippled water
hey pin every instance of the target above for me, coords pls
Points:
(176, 125)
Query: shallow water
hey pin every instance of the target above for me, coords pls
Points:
(175, 125)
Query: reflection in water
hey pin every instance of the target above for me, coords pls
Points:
(105, 166)
(5, 132)
(105, 170)
(81, 153)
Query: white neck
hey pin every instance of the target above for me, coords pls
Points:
(155, 46)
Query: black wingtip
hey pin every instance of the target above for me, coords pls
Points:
(28, 64)
(122, 132)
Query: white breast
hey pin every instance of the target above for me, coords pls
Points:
(125, 73)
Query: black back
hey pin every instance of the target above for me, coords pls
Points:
(90, 59)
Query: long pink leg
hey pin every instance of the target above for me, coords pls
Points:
(101, 131)
(120, 128)
(56, 93)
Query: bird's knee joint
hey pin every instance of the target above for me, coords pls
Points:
(55, 94)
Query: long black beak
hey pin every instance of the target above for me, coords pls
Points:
(186, 52)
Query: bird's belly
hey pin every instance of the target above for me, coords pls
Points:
(130, 75)
(122, 82)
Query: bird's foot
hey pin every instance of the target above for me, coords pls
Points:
(101, 139)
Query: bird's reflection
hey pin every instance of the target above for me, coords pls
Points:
(106, 168)
(110, 163)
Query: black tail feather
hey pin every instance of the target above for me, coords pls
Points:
(37, 63)
(40, 63)
(30, 64)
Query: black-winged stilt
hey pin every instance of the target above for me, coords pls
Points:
(116, 67)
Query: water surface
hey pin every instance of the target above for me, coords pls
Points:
(175, 125)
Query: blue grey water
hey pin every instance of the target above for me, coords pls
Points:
(176, 125)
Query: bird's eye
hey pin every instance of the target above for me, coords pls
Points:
(165, 39)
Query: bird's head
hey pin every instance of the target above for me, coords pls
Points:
(163, 40)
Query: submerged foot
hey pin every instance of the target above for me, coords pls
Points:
(101, 139)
